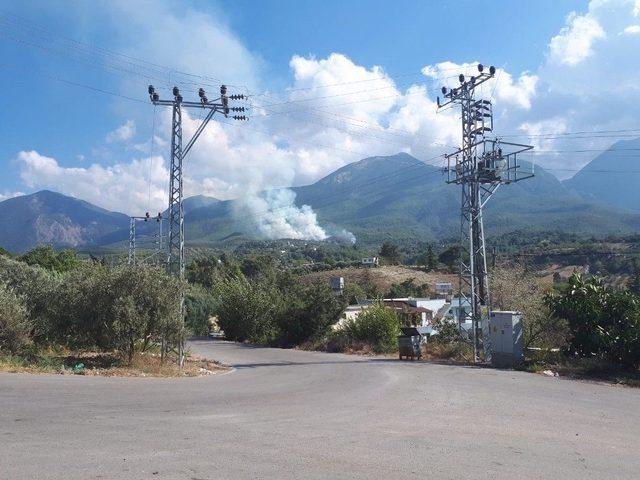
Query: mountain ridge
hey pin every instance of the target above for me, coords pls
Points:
(376, 198)
(606, 177)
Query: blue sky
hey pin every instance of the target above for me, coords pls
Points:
(330, 82)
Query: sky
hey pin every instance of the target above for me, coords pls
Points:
(328, 83)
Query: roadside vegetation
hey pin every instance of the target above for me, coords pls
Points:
(60, 311)
(57, 312)
(581, 327)
(375, 330)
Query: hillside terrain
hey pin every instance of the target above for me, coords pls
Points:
(382, 277)
(399, 197)
(48, 217)
(394, 197)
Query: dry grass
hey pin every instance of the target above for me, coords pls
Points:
(381, 277)
(454, 352)
(108, 364)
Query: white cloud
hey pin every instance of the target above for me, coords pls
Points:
(574, 42)
(538, 136)
(151, 146)
(123, 133)
(188, 40)
(632, 30)
(7, 195)
(122, 187)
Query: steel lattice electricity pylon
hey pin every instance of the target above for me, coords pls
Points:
(157, 251)
(480, 166)
(175, 241)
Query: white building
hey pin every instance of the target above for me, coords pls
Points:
(370, 262)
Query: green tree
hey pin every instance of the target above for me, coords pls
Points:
(450, 256)
(203, 271)
(308, 314)
(634, 284)
(15, 328)
(47, 258)
(143, 306)
(258, 265)
(377, 327)
(248, 310)
(200, 306)
(603, 323)
(124, 308)
(39, 289)
(582, 305)
(207, 271)
(408, 288)
(428, 259)
(390, 252)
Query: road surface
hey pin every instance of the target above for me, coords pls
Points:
(285, 414)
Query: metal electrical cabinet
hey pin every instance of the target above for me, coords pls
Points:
(506, 338)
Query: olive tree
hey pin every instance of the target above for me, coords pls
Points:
(38, 290)
(248, 310)
(15, 328)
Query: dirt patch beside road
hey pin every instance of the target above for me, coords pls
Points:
(109, 364)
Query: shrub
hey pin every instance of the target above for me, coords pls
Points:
(408, 288)
(377, 326)
(448, 332)
(47, 258)
(308, 314)
(143, 305)
(200, 306)
(248, 310)
(14, 323)
(603, 323)
(39, 291)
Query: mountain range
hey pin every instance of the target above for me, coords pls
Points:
(376, 198)
(612, 177)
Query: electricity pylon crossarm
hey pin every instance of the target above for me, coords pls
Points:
(480, 166)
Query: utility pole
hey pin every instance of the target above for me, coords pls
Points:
(132, 237)
(175, 243)
(480, 166)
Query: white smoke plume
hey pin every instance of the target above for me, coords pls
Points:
(276, 215)
(344, 236)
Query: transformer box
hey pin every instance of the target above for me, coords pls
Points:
(506, 337)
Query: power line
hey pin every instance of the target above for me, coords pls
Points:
(561, 134)
(137, 100)
(34, 30)
(538, 152)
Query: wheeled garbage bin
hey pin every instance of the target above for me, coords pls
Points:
(410, 343)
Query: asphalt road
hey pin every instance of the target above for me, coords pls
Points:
(285, 414)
